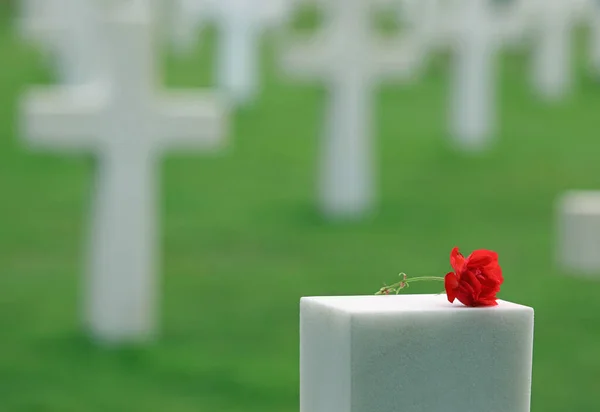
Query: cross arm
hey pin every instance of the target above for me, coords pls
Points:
(61, 118)
(398, 59)
(190, 120)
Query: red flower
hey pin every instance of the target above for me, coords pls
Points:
(476, 280)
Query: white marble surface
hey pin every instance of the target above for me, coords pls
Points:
(578, 232)
(413, 353)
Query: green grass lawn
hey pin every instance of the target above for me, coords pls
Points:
(243, 242)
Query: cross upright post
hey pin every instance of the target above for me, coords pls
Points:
(128, 125)
(594, 16)
(472, 108)
(239, 28)
(552, 55)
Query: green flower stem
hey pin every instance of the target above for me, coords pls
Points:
(397, 287)
(423, 278)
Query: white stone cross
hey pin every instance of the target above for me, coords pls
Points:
(552, 54)
(475, 30)
(433, 17)
(127, 125)
(516, 20)
(239, 28)
(187, 18)
(594, 17)
(414, 353)
(351, 60)
(68, 31)
(240, 24)
(472, 107)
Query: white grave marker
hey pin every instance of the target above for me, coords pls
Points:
(187, 18)
(413, 353)
(351, 61)
(431, 18)
(516, 19)
(68, 31)
(552, 54)
(475, 30)
(472, 107)
(127, 125)
(81, 52)
(240, 24)
(239, 29)
(594, 18)
(578, 232)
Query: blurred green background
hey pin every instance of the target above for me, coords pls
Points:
(243, 241)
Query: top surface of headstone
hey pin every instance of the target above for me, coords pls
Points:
(583, 202)
(414, 353)
(400, 303)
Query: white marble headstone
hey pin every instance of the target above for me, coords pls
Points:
(578, 232)
(413, 353)
(127, 123)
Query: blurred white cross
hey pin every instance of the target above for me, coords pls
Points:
(552, 53)
(351, 60)
(127, 125)
(435, 19)
(240, 24)
(474, 31)
(472, 106)
(187, 19)
(515, 19)
(68, 32)
(594, 19)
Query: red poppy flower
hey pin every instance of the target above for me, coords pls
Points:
(476, 279)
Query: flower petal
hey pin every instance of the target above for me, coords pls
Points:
(481, 258)
(486, 302)
(457, 260)
(451, 283)
(469, 278)
(465, 295)
(467, 292)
